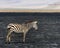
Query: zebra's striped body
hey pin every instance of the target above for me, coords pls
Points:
(18, 28)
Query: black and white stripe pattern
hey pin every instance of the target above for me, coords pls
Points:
(14, 27)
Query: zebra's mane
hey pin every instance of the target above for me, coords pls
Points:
(23, 22)
(28, 22)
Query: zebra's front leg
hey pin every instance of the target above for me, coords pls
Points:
(24, 37)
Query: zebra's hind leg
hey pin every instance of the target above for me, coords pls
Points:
(8, 37)
(24, 37)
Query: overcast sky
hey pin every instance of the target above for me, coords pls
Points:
(26, 4)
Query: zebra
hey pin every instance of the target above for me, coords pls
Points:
(20, 28)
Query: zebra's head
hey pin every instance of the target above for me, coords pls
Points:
(35, 25)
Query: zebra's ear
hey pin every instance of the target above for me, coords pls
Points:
(35, 21)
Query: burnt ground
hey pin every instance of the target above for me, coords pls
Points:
(47, 35)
